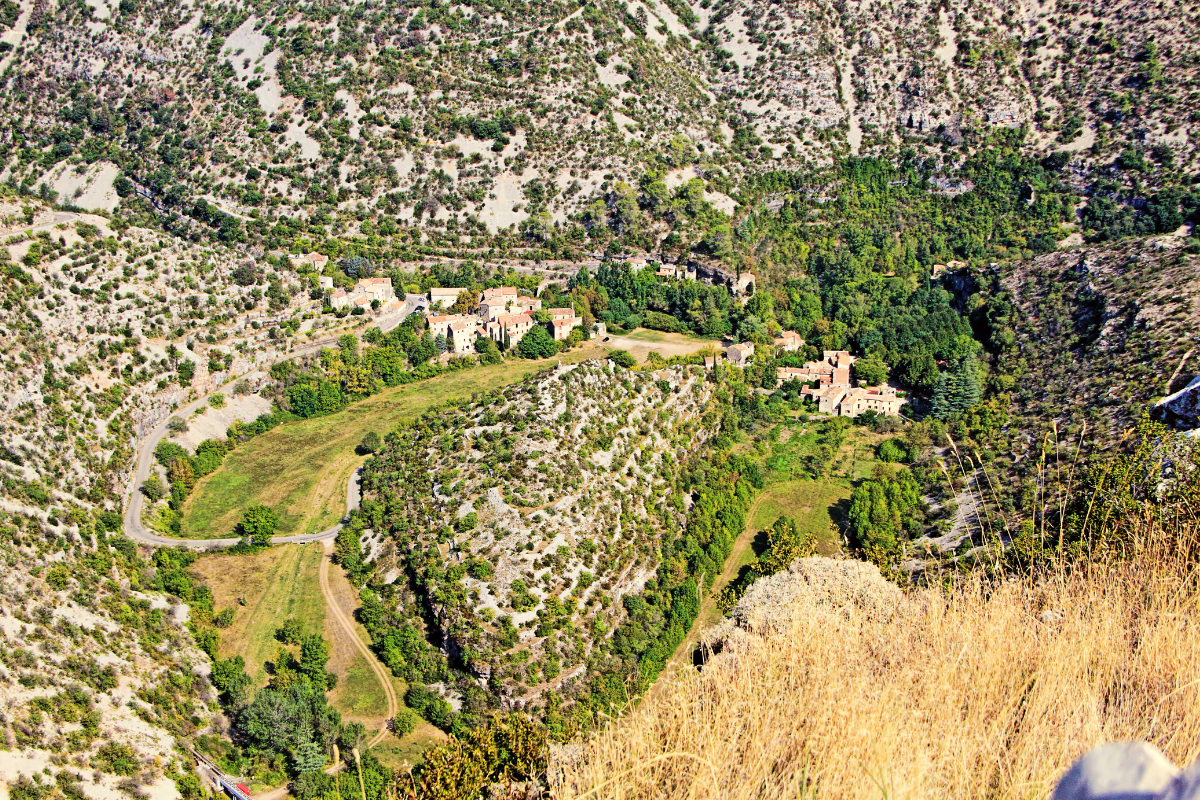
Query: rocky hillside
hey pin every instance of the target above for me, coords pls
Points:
(1096, 335)
(98, 675)
(106, 328)
(524, 518)
(248, 121)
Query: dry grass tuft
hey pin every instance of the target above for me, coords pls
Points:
(988, 689)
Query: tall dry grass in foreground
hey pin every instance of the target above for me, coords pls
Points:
(970, 692)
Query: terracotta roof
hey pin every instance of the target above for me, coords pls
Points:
(514, 319)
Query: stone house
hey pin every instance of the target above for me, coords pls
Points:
(461, 336)
(339, 299)
(442, 324)
(846, 402)
(788, 342)
(744, 284)
(515, 325)
(446, 296)
(562, 322)
(314, 260)
(375, 289)
(526, 305)
(832, 370)
(740, 354)
(501, 300)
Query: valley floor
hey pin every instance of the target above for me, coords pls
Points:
(301, 468)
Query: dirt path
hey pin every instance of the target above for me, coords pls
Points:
(348, 626)
(708, 614)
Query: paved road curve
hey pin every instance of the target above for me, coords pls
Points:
(145, 462)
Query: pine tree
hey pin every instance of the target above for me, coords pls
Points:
(957, 389)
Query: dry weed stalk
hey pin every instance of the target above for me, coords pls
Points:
(989, 688)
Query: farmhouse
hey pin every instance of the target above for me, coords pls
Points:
(562, 321)
(788, 342)
(459, 330)
(494, 303)
(740, 353)
(846, 402)
(446, 296)
(832, 370)
(744, 284)
(364, 293)
(315, 261)
(515, 326)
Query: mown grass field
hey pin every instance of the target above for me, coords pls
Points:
(789, 492)
(275, 584)
(648, 335)
(301, 468)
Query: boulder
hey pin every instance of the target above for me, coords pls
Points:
(1118, 771)
(1182, 409)
(1128, 771)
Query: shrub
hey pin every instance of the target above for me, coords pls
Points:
(622, 358)
(153, 489)
(405, 722)
(259, 523)
(893, 451)
(512, 748)
(537, 344)
(117, 759)
(371, 443)
(224, 619)
(57, 577)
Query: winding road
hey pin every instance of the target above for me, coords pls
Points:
(134, 528)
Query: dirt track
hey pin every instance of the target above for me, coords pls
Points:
(347, 624)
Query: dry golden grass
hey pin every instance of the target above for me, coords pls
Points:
(970, 692)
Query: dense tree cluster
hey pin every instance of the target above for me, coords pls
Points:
(884, 510)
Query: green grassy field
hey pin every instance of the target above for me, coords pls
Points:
(402, 754)
(788, 492)
(301, 468)
(275, 584)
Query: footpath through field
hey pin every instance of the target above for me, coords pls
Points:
(347, 625)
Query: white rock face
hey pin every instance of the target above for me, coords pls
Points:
(1128, 771)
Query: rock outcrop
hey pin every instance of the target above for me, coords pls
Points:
(843, 587)
(1128, 771)
(1182, 409)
